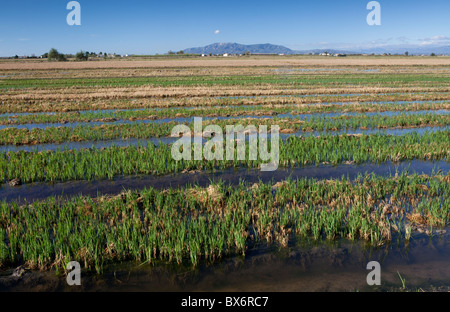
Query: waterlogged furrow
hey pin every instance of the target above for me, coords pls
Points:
(156, 141)
(294, 152)
(217, 111)
(235, 116)
(197, 225)
(145, 130)
(233, 176)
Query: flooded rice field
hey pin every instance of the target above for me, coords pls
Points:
(115, 113)
(136, 219)
(180, 120)
(42, 190)
(170, 140)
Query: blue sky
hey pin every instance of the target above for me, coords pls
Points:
(149, 27)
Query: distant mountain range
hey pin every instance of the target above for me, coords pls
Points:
(267, 48)
(236, 48)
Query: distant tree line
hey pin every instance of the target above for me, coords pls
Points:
(54, 55)
(181, 52)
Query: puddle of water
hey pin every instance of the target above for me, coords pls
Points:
(169, 140)
(381, 102)
(302, 267)
(368, 132)
(341, 267)
(42, 190)
(113, 111)
(355, 114)
(191, 119)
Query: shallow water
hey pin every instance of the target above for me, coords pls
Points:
(113, 111)
(42, 190)
(355, 114)
(169, 140)
(180, 120)
(369, 131)
(302, 267)
(341, 267)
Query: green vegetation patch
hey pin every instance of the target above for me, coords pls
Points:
(195, 224)
(109, 162)
(387, 80)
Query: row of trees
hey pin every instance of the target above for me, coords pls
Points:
(54, 55)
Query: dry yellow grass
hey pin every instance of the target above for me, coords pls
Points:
(210, 71)
(81, 97)
(70, 101)
(80, 93)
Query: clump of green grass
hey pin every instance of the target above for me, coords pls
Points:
(194, 225)
(144, 131)
(113, 161)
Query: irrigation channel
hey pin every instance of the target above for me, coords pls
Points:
(118, 113)
(42, 126)
(169, 140)
(42, 190)
(421, 265)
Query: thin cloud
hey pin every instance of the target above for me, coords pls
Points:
(216, 32)
(435, 40)
(440, 38)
